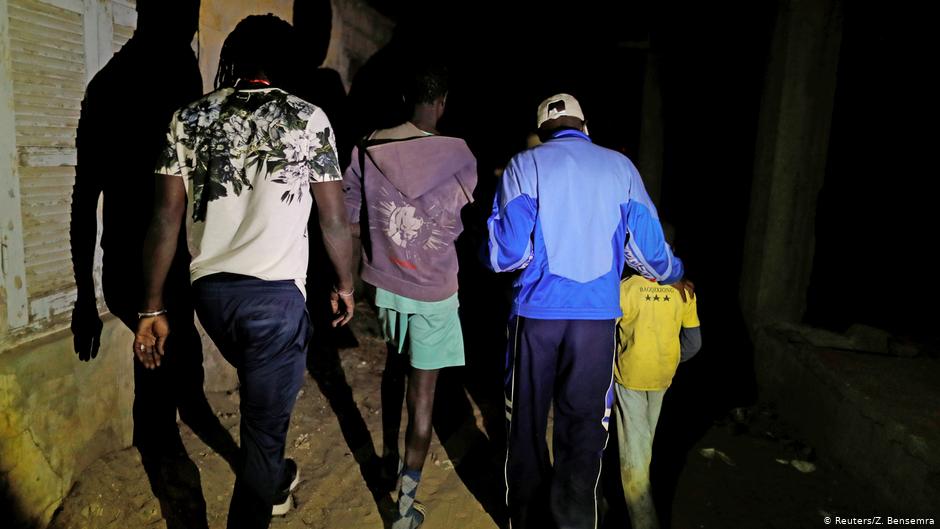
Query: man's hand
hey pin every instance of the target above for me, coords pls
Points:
(684, 286)
(86, 330)
(150, 339)
(343, 301)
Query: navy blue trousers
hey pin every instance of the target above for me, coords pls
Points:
(261, 328)
(568, 363)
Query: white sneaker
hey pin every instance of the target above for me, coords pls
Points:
(284, 502)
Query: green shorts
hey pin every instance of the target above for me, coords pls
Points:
(428, 331)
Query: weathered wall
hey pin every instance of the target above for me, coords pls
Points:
(357, 32)
(790, 160)
(217, 18)
(58, 414)
(881, 429)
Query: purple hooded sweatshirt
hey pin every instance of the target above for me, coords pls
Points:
(414, 189)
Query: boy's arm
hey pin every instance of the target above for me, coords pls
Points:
(690, 342)
(690, 336)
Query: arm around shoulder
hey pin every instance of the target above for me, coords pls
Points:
(512, 221)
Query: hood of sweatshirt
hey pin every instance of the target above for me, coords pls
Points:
(418, 165)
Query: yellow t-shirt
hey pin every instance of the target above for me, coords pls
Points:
(648, 333)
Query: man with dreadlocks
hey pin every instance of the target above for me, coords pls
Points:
(242, 164)
(405, 189)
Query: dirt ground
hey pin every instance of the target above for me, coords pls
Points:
(739, 474)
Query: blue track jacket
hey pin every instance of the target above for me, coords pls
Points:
(571, 213)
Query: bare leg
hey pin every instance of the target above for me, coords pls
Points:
(420, 397)
(421, 385)
(393, 393)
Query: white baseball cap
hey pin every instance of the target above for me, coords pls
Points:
(557, 106)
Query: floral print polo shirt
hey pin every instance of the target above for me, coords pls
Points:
(247, 159)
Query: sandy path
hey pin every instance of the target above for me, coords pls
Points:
(115, 492)
(754, 486)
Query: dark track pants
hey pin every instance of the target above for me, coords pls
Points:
(568, 363)
(261, 328)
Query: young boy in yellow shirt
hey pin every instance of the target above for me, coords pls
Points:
(657, 331)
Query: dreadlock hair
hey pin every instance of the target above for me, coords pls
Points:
(428, 82)
(259, 43)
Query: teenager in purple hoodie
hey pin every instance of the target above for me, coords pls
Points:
(404, 191)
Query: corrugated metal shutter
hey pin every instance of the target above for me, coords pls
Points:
(48, 65)
(122, 34)
(125, 20)
(55, 49)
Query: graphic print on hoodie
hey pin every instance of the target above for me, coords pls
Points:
(415, 188)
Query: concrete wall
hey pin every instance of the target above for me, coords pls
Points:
(217, 18)
(650, 160)
(357, 32)
(881, 429)
(58, 414)
(790, 159)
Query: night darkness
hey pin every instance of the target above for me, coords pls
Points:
(873, 230)
(872, 226)
(504, 61)
(872, 211)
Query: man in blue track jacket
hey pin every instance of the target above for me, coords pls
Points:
(570, 214)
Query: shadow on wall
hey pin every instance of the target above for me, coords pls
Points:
(324, 88)
(10, 512)
(121, 132)
(313, 22)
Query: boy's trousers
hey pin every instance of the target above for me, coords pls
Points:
(637, 413)
(568, 363)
